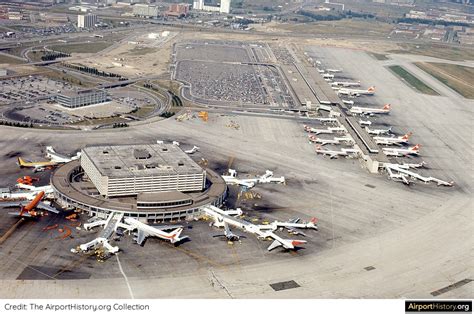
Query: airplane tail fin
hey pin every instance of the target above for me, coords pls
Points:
(407, 136)
(416, 147)
(287, 244)
(386, 106)
(175, 235)
(21, 162)
(371, 89)
(313, 223)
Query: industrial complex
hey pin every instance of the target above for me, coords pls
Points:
(235, 149)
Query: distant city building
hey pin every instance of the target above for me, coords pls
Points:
(178, 10)
(86, 21)
(3, 72)
(223, 8)
(82, 98)
(146, 10)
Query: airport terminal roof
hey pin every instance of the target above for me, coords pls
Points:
(125, 161)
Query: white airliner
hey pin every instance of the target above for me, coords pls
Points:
(59, 158)
(335, 141)
(222, 218)
(348, 102)
(144, 231)
(327, 120)
(370, 111)
(345, 84)
(294, 224)
(344, 152)
(401, 152)
(325, 131)
(192, 150)
(328, 76)
(403, 174)
(378, 131)
(392, 140)
(365, 122)
(250, 183)
(333, 70)
(357, 92)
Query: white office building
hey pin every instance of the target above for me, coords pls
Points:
(224, 6)
(127, 170)
(86, 21)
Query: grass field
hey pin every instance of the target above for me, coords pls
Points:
(6, 59)
(457, 77)
(436, 51)
(93, 47)
(411, 80)
(345, 27)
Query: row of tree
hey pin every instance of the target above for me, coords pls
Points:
(17, 124)
(91, 70)
(51, 56)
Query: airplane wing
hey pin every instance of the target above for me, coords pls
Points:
(274, 245)
(141, 236)
(12, 204)
(295, 231)
(17, 214)
(167, 227)
(45, 206)
(332, 156)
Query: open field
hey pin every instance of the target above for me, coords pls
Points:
(82, 48)
(342, 28)
(458, 77)
(436, 51)
(412, 80)
(6, 59)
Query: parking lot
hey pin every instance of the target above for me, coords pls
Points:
(30, 88)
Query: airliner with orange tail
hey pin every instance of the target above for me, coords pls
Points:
(402, 152)
(357, 92)
(30, 209)
(384, 140)
(371, 111)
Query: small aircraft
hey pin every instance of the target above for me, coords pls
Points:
(348, 102)
(324, 131)
(402, 152)
(27, 209)
(346, 84)
(292, 225)
(370, 111)
(228, 234)
(392, 140)
(333, 70)
(328, 76)
(59, 158)
(335, 141)
(378, 131)
(144, 231)
(344, 152)
(192, 150)
(357, 92)
(231, 178)
(365, 122)
(37, 165)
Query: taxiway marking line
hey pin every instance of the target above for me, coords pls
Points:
(125, 277)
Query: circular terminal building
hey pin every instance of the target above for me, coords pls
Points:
(155, 182)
